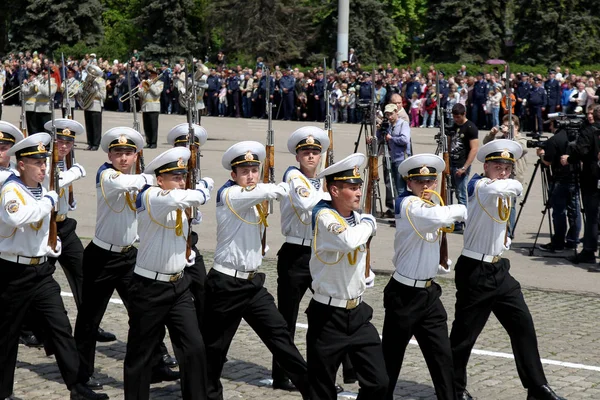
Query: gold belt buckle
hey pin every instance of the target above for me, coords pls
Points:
(251, 275)
(125, 249)
(34, 260)
(351, 304)
(496, 259)
(176, 277)
(428, 283)
(61, 217)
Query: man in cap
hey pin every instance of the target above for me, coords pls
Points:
(319, 97)
(235, 289)
(338, 319)
(536, 100)
(9, 135)
(412, 300)
(110, 257)
(178, 137)
(483, 281)
(150, 98)
(44, 101)
(92, 112)
(262, 92)
(287, 84)
(27, 275)
(522, 92)
(480, 93)
(552, 87)
(73, 87)
(28, 90)
(159, 292)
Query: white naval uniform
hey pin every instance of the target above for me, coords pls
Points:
(116, 221)
(151, 98)
(43, 96)
(66, 178)
(338, 258)
(157, 216)
(24, 217)
(6, 172)
(296, 208)
(483, 234)
(2, 81)
(71, 100)
(239, 236)
(417, 257)
(100, 95)
(29, 90)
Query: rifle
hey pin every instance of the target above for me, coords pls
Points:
(372, 166)
(22, 119)
(139, 163)
(268, 171)
(71, 157)
(444, 193)
(54, 171)
(328, 159)
(511, 128)
(193, 168)
(194, 96)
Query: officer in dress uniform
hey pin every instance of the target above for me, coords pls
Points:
(287, 84)
(93, 113)
(483, 281)
(73, 85)
(160, 289)
(150, 98)
(233, 89)
(71, 258)
(319, 111)
(27, 281)
(212, 93)
(29, 92)
(262, 92)
(235, 289)
(43, 101)
(178, 137)
(338, 318)
(411, 298)
(553, 92)
(110, 257)
(536, 101)
(480, 92)
(523, 89)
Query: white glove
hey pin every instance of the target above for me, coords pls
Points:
(206, 193)
(197, 219)
(191, 259)
(53, 196)
(369, 219)
(507, 244)
(149, 179)
(73, 206)
(282, 189)
(370, 280)
(55, 253)
(208, 183)
(444, 271)
(78, 168)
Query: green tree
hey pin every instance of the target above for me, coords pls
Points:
(409, 17)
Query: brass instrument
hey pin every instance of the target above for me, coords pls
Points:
(197, 85)
(72, 88)
(87, 91)
(11, 93)
(145, 85)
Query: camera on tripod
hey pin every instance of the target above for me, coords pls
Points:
(450, 131)
(538, 142)
(385, 124)
(363, 104)
(572, 123)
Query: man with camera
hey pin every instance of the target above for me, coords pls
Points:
(587, 152)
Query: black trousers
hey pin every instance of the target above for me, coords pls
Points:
(40, 121)
(93, 127)
(64, 112)
(152, 304)
(483, 288)
(235, 104)
(104, 272)
(71, 257)
(150, 120)
(288, 105)
(590, 197)
(230, 299)
(31, 122)
(417, 311)
(197, 275)
(334, 333)
(25, 287)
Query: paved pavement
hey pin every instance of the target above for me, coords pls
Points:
(564, 298)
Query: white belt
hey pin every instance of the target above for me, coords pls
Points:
(111, 247)
(234, 272)
(480, 256)
(157, 276)
(23, 259)
(297, 240)
(330, 301)
(412, 282)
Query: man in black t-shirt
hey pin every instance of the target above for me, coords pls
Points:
(464, 142)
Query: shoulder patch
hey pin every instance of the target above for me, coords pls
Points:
(336, 228)
(302, 191)
(249, 188)
(165, 192)
(115, 175)
(12, 206)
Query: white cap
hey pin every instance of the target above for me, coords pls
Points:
(421, 166)
(346, 170)
(243, 154)
(34, 146)
(308, 137)
(179, 134)
(500, 150)
(173, 161)
(10, 133)
(65, 127)
(122, 136)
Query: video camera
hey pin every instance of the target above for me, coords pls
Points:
(572, 123)
(538, 141)
(385, 124)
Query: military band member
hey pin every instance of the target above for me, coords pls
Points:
(235, 289)
(43, 101)
(150, 98)
(160, 289)
(338, 318)
(411, 298)
(110, 257)
(92, 112)
(73, 86)
(28, 90)
(178, 137)
(483, 281)
(27, 281)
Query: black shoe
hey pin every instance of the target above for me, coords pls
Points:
(81, 392)
(550, 248)
(168, 361)
(88, 148)
(338, 389)
(12, 397)
(103, 336)
(465, 396)
(543, 393)
(285, 385)
(585, 257)
(570, 245)
(595, 268)
(30, 341)
(94, 148)
(350, 377)
(152, 146)
(163, 374)
(93, 383)
(389, 214)
(458, 228)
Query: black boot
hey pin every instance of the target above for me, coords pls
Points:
(81, 392)
(93, 383)
(163, 374)
(104, 337)
(168, 361)
(465, 396)
(285, 384)
(543, 392)
(30, 341)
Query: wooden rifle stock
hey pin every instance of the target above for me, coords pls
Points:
(191, 184)
(268, 172)
(140, 166)
(444, 196)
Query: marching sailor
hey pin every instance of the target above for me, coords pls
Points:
(9, 135)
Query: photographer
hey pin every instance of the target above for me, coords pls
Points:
(587, 152)
(563, 191)
(394, 133)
